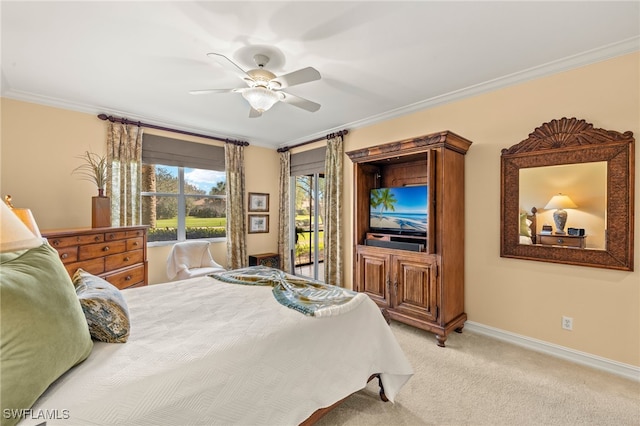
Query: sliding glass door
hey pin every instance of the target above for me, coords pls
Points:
(307, 215)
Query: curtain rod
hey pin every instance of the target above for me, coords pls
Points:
(329, 136)
(168, 129)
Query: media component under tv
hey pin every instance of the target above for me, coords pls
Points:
(399, 210)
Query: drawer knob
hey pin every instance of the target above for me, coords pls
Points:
(126, 259)
(135, 243)
(560, 241)
(105, 248)
(112, 236)
(64, 255)
(128, 278)
(96, 238)
(56, 242)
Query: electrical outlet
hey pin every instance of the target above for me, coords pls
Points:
(567, 323)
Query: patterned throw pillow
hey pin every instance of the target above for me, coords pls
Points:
(104, 307)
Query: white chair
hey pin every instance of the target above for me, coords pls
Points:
(191, 259)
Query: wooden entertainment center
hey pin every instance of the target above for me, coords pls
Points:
(417, 279)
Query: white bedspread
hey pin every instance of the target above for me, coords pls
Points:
(203, 352)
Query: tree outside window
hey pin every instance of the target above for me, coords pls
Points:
(181, 203)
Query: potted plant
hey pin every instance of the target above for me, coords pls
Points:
(94, 169)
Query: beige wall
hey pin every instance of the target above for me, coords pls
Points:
(524, 297)
(38, 153)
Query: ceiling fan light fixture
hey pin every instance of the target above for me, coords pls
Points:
(259, 98)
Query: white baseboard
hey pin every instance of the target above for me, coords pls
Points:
(618, 368)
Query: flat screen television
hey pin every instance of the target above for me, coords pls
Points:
(399, 210)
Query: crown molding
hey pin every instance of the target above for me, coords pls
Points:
(575, 61)
(571, 62)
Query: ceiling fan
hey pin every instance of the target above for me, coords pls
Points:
(264, 87)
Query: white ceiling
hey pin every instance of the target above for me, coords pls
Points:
(377, 59)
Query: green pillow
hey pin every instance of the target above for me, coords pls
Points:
(525, 230)
(43, 332)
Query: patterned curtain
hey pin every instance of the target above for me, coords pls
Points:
(284, 237)
(333, 211)
(236, 225)
(124, 156)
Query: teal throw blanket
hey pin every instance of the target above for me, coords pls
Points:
(307, 296)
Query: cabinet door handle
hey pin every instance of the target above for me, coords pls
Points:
(388, 284)
(105, 248)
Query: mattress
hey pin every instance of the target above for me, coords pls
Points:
(204, 352)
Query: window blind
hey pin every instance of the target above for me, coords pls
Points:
(175, 152)
(308, 162)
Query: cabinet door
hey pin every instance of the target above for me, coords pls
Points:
(372, 277)
(415, 287)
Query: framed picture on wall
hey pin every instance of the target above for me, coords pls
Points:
(258, 223)
(258, 202)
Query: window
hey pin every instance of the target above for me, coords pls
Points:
(307, 186)
(183, 190)
(308, 201)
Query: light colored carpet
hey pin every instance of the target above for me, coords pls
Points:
(477, 380)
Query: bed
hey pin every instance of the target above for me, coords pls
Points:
(201, 351)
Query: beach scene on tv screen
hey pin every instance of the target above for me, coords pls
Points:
(399, 209)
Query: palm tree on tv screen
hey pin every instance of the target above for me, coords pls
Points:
(384, 199)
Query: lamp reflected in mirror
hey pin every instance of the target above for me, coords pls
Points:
(534, 168)
(560, 202)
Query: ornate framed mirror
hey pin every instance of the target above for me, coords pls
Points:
(595, 168)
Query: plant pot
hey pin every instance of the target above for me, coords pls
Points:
(100, 210)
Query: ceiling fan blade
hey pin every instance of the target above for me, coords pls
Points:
(303, 75)
(254, 113)
(230, 65)
(300, 102)
(207, 91)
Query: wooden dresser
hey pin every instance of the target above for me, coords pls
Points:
(119, 255)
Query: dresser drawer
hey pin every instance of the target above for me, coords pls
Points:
(136, 233)
(562, 240)
(68, 254)
(127, 278)
(121, 260)
(97, 250)
(93, 266)
(60, 242)
(135, 243)
(115, 235)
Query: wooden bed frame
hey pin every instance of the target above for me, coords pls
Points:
(318, 414)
